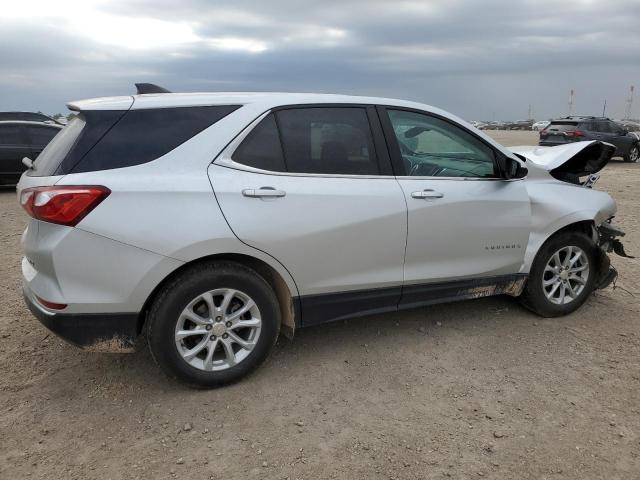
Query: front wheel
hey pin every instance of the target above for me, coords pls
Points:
(562, 276)
(634, 154)
(213, 324)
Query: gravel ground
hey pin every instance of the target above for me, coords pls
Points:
(476, 389)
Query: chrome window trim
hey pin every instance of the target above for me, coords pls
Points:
(224, 160)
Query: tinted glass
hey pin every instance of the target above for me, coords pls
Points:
(601, 127)
(56, 150)
(141, 136)
(11, 135)
(431, 147)
(562, 126)
(41, 136)
(328, 140)
(261, 148)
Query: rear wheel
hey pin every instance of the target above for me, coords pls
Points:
(634, 154)
(562, 276)
(213, 324)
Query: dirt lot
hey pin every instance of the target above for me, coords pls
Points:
(477, 389)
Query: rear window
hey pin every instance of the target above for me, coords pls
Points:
(562, 126)
(105, 140)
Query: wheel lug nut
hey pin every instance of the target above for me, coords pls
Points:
(218, 319)
(208, 327)
(225, 335)
(212, 338)
(228, 324)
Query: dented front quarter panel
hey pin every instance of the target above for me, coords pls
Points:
(556, 204)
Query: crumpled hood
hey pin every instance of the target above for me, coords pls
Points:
(578, 158)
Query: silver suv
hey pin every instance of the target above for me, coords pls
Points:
(213, 221)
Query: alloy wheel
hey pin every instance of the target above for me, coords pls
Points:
(566, 274)
(634, 154)
(218, 329)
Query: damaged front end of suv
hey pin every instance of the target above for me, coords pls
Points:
(556, 205)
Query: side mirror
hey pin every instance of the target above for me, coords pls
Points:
(513, 169)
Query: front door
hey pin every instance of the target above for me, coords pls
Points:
(313, 188)
(464, 221)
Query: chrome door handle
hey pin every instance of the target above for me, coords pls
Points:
(263, 192)
(427, 194)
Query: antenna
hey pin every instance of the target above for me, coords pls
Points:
(627, 113)
(571, 95)
(530, 114)
(149, 88)
(604, 107)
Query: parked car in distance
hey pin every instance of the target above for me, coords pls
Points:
(537, 126)
(212, 222)
(630, 125)
(19, 139)
(578, 129)
(495, 126)
(519, 125)
(29, 117)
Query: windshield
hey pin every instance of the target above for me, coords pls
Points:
(48, 161)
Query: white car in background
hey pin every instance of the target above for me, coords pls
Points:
(212, 221)
(541, 125)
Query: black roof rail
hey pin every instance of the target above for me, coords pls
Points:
(143, 88)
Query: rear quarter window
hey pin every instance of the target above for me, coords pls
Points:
(106, 139)
(141, 136)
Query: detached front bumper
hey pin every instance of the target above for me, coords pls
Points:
(608, 242)
(96, 332)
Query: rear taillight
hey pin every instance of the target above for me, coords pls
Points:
(51, 305)
(575, 134)
(64, 205)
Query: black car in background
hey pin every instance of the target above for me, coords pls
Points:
(578, 129)
(19, 139)
(28, 117)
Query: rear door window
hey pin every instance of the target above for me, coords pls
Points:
(262, 148)
(328, 140)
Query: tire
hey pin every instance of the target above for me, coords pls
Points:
(193, 302)
(634, 154)
(535, 297)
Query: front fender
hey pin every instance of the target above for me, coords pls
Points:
(556, 205)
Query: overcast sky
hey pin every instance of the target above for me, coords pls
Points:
(484, 59)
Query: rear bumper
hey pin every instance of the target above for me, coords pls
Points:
(96, 332)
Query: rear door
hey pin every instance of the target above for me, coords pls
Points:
(466, 224)
(313, 187)
(13, 148)
(38, 136)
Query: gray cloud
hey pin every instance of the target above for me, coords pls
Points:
(478, 59)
